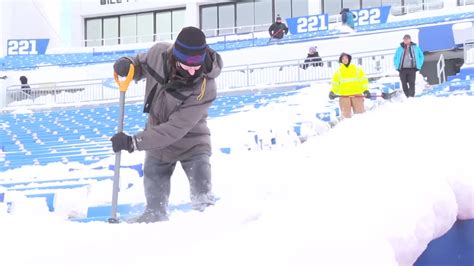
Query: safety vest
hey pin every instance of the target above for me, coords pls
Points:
(349, 80)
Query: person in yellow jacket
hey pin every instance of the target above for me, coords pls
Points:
(350, 84)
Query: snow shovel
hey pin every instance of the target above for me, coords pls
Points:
(123, 86)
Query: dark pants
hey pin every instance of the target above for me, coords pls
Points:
(157, 175)
(407, 78)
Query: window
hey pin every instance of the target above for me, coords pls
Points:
(391, 2)
(351, 4)
(145, 27)
(226, 19)
(245, 17)
(433, 4)
(248, 15)
(332, 7)
(283, 7)
(371, 3)
(299, 8)
(93, 32)
(133, 28)
(111, 33)
(263, 14)
(163, 25)
(209, 20)
(465, 2)
(395, 6)
(128, 29)
(413, 5)
(177, 20)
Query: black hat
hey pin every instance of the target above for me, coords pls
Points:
(190, 46)
(407, 36)
(23, 80)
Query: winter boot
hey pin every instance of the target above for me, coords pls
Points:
(202, 201)
(151, 216)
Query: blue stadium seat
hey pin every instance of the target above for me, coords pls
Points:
(49, 197)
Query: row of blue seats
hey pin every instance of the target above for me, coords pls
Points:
(24, 142)
(466, 73)
(21, 62)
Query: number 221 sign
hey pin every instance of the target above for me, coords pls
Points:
(27, 46)
(313, 23)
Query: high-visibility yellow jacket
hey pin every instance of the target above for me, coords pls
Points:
(349, 80)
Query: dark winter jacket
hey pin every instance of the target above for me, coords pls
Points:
(176, 128)
(312, 60)
(24, 85)
(277, 30)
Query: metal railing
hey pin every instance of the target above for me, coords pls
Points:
(69, 92)
(232, 78)
(469, 52)
(440, 66)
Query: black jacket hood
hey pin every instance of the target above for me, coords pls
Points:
(348, 55)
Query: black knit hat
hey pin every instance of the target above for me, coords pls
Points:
(190, 46)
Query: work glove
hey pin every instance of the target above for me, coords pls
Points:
(367, 94)
(387, 96)
(122, 66)
(332, 95)
(122, 141)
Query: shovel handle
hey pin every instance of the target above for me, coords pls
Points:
(123, 85)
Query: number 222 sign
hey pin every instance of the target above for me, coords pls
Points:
(27, 46)
(371, 16)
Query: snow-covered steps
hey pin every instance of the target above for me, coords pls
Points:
(451, 88)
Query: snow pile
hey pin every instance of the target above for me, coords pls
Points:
(374, 190)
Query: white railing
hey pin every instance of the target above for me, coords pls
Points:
(232, 78)
(469, 52)
(440, 66)
(71, 92)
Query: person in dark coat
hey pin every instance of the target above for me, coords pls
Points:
(24, 85)
(278, 29)
(347, 17)
(180, 88)
(313, 59)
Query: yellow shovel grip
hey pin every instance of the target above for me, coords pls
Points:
(123, 85)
